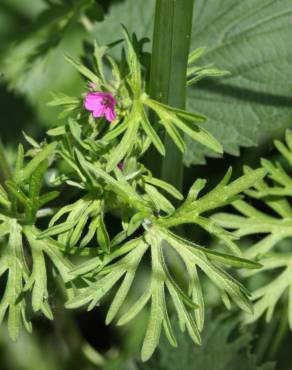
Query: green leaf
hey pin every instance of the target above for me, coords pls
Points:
(120, 296)
(123, 190)
(96, 263)
(4, 230)
(218, 347)
(224, 193)
(159, 201)
(196, 54)
(135, 308)
(153, 331)
(56, 230)
(48, 197)
(4, 198)
(76, 232)
(164, 185)
(18, 193)
(255, 97)
(195, 189)
(174, 135)
(84, 71)
(19, 163)
(135, 222)
(200, 73)
(224, 281)
(155, 321)
(197, 296)
(180, 119)
(118, 130)
(217, 256)
(185, 318)
(57, 131)
(94, 293)
(12, 258)
(149, 130)
(91, 232)
(36, 180)
(181, 113)
(60, 99)
(134, 65)
(44, 154)
(128, 141)
(102, 235)
(30, 140)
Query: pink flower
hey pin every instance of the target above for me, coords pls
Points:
(101, 104)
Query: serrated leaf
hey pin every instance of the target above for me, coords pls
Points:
(242, 105)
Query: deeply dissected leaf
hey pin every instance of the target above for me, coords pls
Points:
(12, 259)
(274, 226)
(217, 348)
(254, 96)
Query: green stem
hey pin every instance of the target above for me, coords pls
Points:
(5, 171)
(171, 43)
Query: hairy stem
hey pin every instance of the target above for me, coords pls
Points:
(171, 42)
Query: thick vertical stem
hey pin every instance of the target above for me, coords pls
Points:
(171, 42)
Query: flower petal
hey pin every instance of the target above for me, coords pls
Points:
(93, 101)
(99, 111)
(110, 114)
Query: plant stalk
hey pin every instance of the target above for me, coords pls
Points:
(171, 43)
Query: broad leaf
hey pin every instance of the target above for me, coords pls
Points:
(250, 39)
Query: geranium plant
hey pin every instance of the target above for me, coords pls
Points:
(98, 210)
